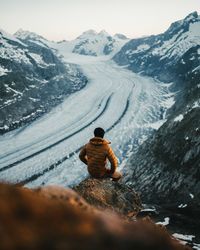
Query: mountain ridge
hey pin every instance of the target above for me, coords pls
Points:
(33, 79)
(172, 152)
(90, 42)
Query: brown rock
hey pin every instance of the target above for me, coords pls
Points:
(58, 218)
(104, 193)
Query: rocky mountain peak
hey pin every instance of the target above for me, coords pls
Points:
(184, 23)
(90, 32)
(191, 16)
(7, 36)
(103, 33)
(120, 36)
(25, 34)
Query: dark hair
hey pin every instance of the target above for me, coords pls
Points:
(99, 132)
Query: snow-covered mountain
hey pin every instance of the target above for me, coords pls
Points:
(168, 163)
(33, 78)
(32, 37)
(88, 43)
(156, 55)
(95, 44)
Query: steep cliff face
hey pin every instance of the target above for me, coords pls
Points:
(166, 168)
(33, 79)
(58, 218)
(169, 162)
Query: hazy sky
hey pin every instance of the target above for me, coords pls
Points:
(66, 19)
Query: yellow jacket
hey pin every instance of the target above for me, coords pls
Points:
(95, 154)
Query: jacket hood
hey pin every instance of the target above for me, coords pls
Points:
(98, 141)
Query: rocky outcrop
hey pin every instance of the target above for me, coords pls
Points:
(58, 218)
(115, 196)
(166, 168)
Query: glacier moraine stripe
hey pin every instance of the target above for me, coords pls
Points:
(61, 140)
(54, 165)
(43, 138)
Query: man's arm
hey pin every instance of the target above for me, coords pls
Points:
(113, 160)
(82, 155)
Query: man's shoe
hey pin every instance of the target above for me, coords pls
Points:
(116, 176)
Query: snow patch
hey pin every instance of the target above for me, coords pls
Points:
(192, 196)
(196, 246)
(155, 125)
(3, 71)
(182, 206)
(149, 209)
(142, 139)
(196, 105)
(34, 99)
(195, 29)
(12, 53)
(4, 127)
(142, 47)
(182, 61)
(13, 90)
(196, 69)
(169, 102)
(38, 59)
(183, 238)
(165, 222)
(179, 118)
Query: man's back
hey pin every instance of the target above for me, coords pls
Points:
(95, 154)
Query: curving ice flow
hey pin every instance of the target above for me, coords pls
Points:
(127, 105)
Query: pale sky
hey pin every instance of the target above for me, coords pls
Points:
(67, 19)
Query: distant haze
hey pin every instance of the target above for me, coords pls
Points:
(67, 19)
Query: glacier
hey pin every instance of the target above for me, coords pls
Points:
(127, 105)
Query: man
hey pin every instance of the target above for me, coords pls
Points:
(95, 154)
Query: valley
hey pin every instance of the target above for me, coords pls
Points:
(127, 106)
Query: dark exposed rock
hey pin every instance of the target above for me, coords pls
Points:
(58, 218)
(166, 167)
